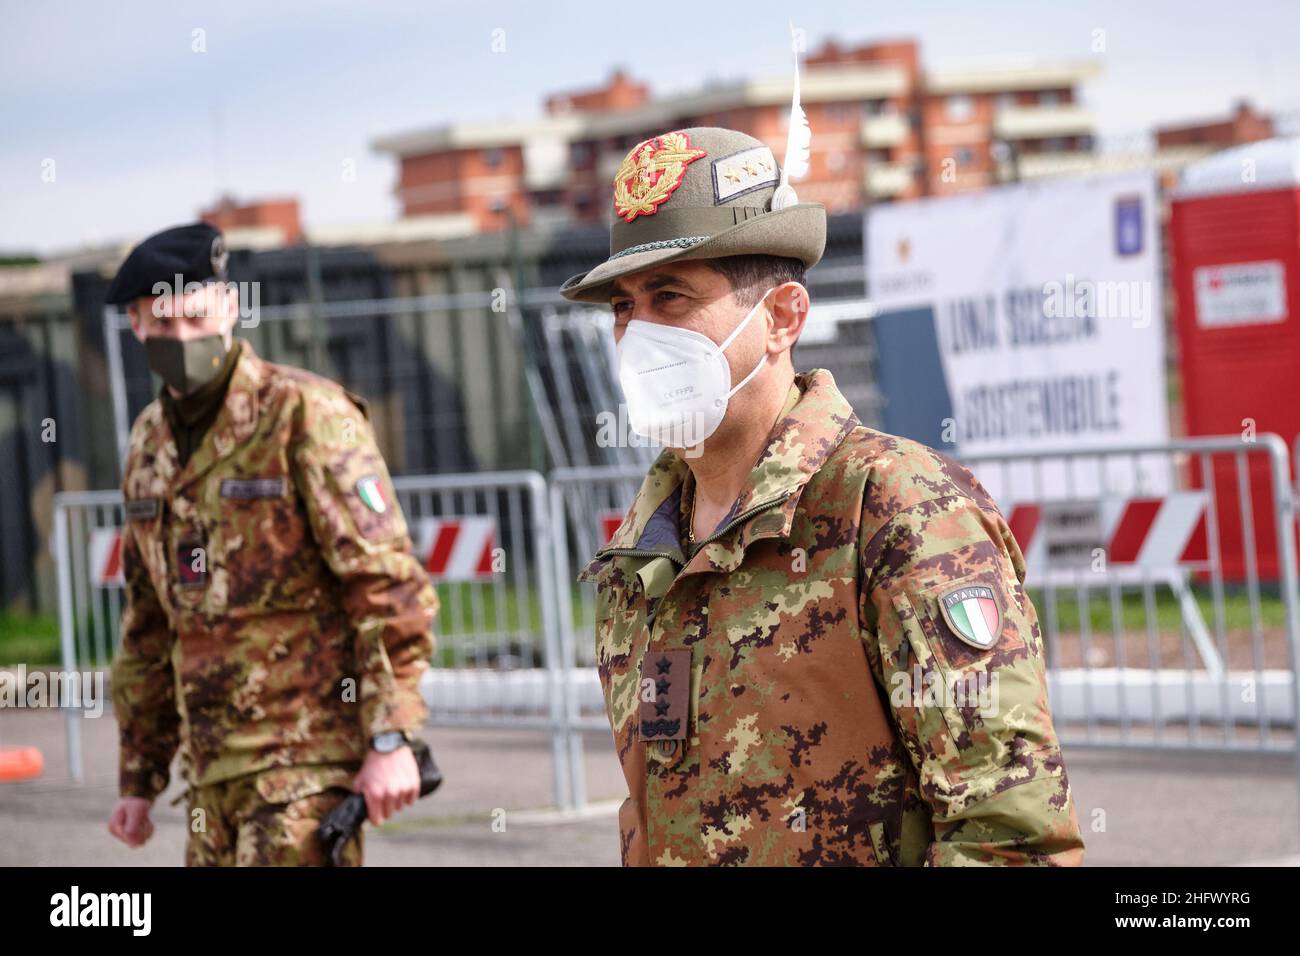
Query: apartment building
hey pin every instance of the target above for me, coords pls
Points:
(884, 129)
(263, 222)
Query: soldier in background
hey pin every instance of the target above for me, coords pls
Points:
(276, 622)
(813, 638)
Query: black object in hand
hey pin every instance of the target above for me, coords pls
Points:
(342, 823)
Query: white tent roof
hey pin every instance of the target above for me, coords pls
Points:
(1268, 164)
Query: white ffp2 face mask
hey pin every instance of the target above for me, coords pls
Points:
(677, 382)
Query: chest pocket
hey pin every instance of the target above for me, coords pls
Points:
(779, 654)
(261, 551)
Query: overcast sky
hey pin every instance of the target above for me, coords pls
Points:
(143, 131)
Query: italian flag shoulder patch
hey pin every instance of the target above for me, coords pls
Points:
(371, 492)
(972, 613)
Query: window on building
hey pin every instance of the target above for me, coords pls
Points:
(963, 155)
(837, 113)
(959, 108)
(492, 157)
(581, 154)
(1049, 98)
(1006, 101)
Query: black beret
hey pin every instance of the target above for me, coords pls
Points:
(195, 252)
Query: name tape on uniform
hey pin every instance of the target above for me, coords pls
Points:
(249, 488)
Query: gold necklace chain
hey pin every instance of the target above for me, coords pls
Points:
(690, 522)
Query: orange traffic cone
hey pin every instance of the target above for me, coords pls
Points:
(20, 763)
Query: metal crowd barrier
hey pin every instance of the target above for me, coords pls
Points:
(89, 614)
(586, 505)
(486, 541)
(1105, 532)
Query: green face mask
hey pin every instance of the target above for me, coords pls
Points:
(187, 365)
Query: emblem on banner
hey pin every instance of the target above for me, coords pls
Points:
(1128, 225)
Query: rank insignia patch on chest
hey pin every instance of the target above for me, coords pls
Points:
(371, 492)
(973, 614)
(191, 563)
(665, 694)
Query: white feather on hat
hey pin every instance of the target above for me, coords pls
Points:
(798, 142)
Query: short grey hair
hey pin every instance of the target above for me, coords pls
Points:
(751, 275)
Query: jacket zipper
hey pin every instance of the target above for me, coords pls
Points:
(642, 552)
(765, 506)
(744, 516)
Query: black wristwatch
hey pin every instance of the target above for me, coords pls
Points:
(389, 741)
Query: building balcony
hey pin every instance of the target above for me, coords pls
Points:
(1041, 122)
(890, 179)
(1044, 165)
(1079, 163)
(607, 165)
(888, 129)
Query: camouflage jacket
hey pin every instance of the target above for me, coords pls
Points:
(811, 637)
(275, 615)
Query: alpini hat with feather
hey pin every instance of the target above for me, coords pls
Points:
(704, 193)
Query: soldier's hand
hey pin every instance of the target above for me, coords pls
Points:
(130, 822)
(389, 782)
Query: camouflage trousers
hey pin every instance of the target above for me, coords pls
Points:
(268, 818)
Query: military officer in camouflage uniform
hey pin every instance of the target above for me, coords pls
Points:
(813, 638)
(276, 622)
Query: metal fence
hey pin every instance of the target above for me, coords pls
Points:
(586, 505)
(1165, 581)
(484, 538)
(90, 606)
(443, 374)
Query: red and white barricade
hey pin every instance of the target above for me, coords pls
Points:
(609, 522)
(1120, 540)
(457, 549)
(1151, 533)
(106, 557)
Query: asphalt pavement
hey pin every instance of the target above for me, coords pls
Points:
(1137, 808)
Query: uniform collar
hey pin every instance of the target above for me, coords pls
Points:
(234, 424)
(799, 444)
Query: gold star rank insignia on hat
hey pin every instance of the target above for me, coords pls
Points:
(650, 172)
(371, 493)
